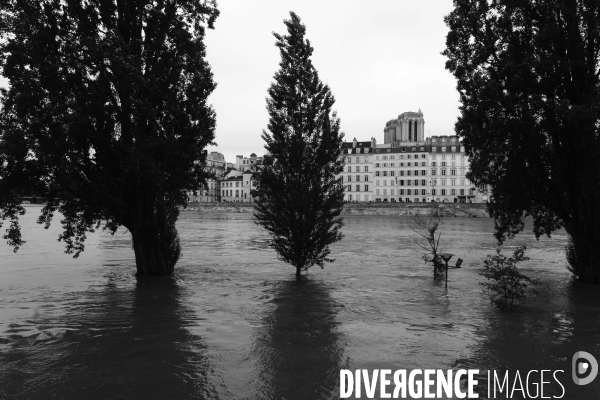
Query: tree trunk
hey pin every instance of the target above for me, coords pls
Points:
(586, 262)
(156, 243)
(149, 258)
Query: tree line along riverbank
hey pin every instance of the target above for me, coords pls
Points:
(447, 209)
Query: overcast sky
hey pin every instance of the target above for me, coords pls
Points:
(380, 58)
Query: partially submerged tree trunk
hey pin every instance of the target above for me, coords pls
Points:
(156, 243)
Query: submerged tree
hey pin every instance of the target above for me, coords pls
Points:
(426, 227)
(528, 81)
(106, 117)
(300, 199)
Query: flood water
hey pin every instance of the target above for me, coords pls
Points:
(233, 323)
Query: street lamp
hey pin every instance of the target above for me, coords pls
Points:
(446, 257)
(432, 183)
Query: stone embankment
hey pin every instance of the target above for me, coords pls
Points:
(446, 209)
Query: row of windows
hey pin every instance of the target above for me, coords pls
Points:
(443, 172)
(348, 160)
(403, 149)
(401, 157)
(402, 182)
(393, 165)
(356, 178)
(415, 182)
(401, 173)
(357, 187)
(423, 192)
(357, 168)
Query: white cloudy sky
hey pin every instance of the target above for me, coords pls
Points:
(380, 58)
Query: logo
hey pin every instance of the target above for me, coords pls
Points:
(584, 363)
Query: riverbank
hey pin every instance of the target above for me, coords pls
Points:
(447, 209)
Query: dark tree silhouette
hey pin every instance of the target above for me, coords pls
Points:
(106, 117)
(528, 82)
(300, 199)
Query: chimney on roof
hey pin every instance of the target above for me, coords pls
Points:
(354, 143)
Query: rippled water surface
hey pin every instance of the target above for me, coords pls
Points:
(233, 323)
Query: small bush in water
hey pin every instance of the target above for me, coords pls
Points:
(506, 286)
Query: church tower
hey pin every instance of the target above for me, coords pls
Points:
(409, 127)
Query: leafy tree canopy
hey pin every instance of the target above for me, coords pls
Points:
(300, 198)
(527, 76)
(106, 117)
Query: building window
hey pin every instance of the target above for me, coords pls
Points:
(423, 172)
(416, 182)
(366, 188)
(408, 192)
(384, 192)
(366, 178)
(357, 169)
(443, 172)
(392, 157)
(376, 173)
(401, 182)
(422, 192)
(358, 188)
(408, 182)
(433, 192)
(434, 149)
(377, 183)
(453, 191)
(452, 172)
(376, 165)
(443, 192)
(377, 192)
(433, 172)
(366, 168)
(392, 173)
(401, 192)
(350, 197)
(423, 182)
(392, 192)
(384, 173)
(357, 159)
(349, 169)
(357, 178)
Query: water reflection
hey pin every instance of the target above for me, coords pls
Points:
(300, 349)
(544, 336)
(121, 342)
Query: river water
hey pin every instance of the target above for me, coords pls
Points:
(232, 323)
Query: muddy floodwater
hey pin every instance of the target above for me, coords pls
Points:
(232, 323)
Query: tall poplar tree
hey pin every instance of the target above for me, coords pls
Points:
(300, 199)
(106, 117)
(528, 77)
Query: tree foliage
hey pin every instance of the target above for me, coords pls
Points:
(506, 285)
(300, 199)
(106, 117)
(527, 76)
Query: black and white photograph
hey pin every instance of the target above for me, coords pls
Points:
(299, 199)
